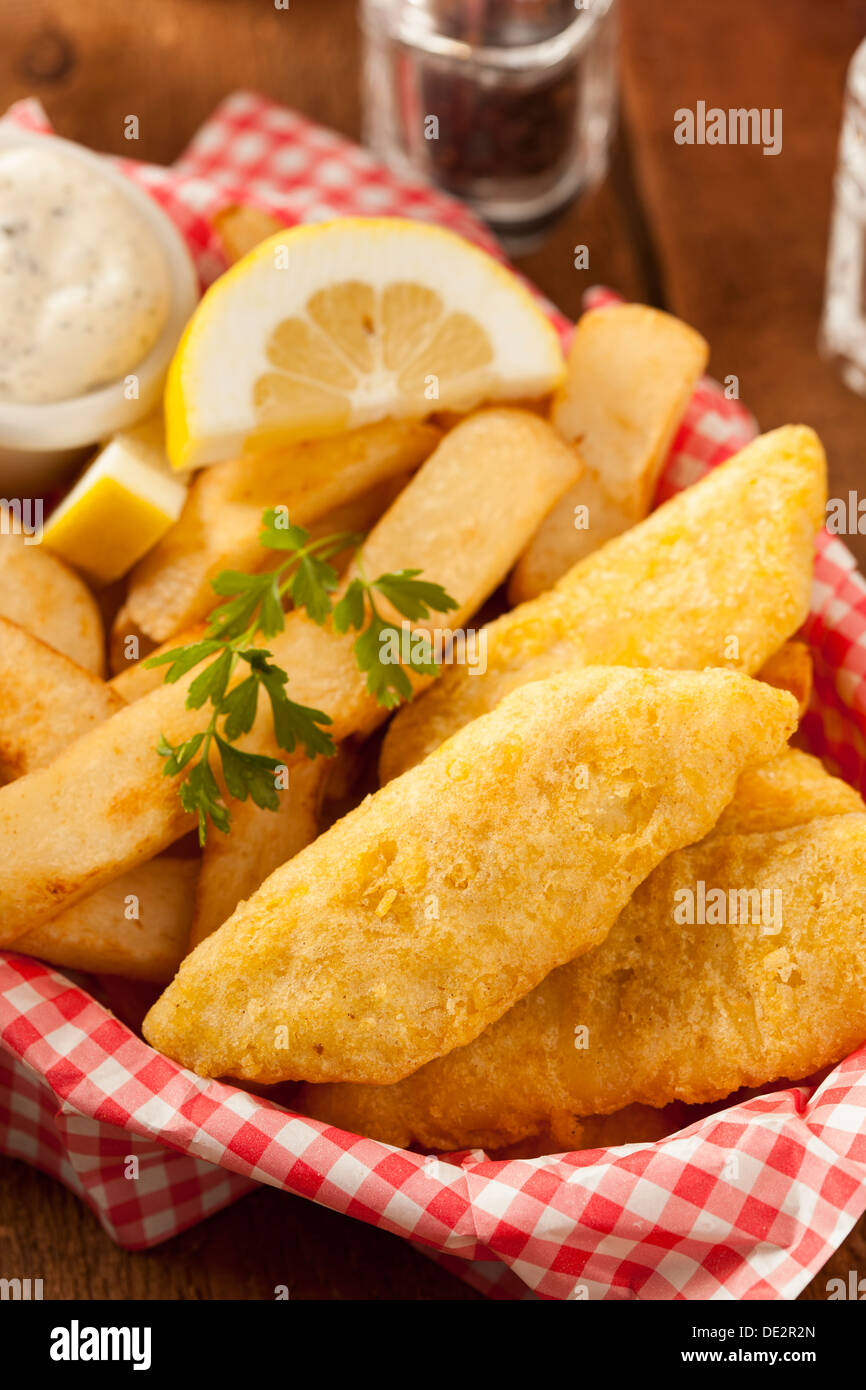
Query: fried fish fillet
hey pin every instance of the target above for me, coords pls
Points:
(672, 1011)
(718, 576)
(790, 668)
(788, 790)
(419, 918)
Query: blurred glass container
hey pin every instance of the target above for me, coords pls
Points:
(507, 104)
(843, 322)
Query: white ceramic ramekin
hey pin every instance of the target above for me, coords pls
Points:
(40, 443)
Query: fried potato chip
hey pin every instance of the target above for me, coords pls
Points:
(218, 529)
(631, 374)
(718, 576)
(525, 461)
(419, 918)
(48, 599)
(571, 531)
(234, 866)
(132, 678)
(137, 926)
(240, 229)
(665, 1010)
(104, 804)
(47, 701)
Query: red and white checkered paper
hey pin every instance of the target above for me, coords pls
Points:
(79, 1092)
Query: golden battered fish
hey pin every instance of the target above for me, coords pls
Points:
(419, 918)
(718, 576)
(790, 668)
(665, 1009)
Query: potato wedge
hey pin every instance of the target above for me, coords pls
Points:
(718, 576)
(104, 805)
(240, 228)
(132, 678)
(234, 866)
(137, 926)
(574, 530)
(422, 916)
(47, 701)
(47, 598)
(631, 374)
(218, 529)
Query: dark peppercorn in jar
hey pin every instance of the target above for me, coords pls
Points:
(508, 104)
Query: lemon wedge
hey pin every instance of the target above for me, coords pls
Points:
(124, 501)
(328, 327)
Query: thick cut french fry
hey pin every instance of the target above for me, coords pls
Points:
(515, 448)
(234, 866)
(663, 1010)
(219, 526)
(422, 916)
(137, 926)
(631, 373)
(718, 576)
(135, 679)
(573, 529)
(76, 817)
(47, 701)
(47, 598)
(240, 229)
(104, 805)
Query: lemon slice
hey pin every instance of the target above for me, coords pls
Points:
(124, 501)
(327, 327)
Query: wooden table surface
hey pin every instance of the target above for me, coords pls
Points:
(727, 238)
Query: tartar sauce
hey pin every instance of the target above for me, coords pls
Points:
(84, 285)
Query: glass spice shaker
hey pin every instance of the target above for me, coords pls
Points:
(507, 104)
(843, 322)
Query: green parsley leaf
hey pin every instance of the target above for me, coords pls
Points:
(387, 681)
(295, 724)
(277, 534)
(254, 604)
(249, 774)
(312, 584)
(352, 607)
(239, 707)
(182, 659)
(200, 794)
(412, 597)
(211, 684)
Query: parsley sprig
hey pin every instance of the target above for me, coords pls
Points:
(253, 606)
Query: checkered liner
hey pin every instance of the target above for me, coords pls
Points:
(747, 1203)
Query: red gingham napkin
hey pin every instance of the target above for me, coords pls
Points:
(745, 1203)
